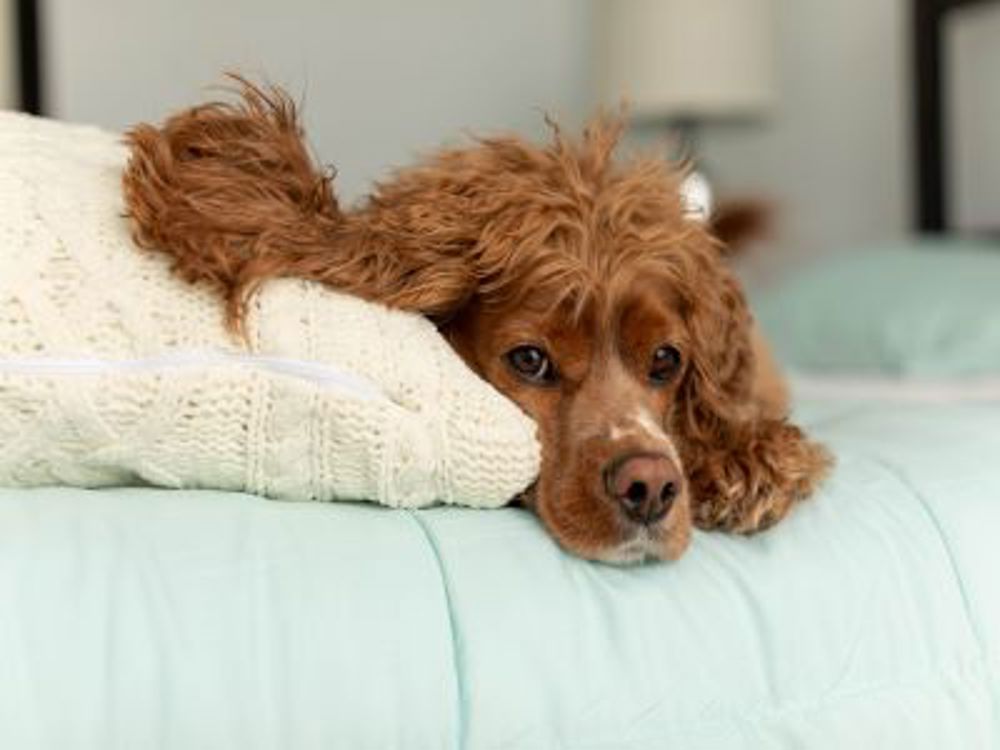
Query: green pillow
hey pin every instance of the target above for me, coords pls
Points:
(929, 308)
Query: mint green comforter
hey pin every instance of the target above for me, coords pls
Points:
(870, 619)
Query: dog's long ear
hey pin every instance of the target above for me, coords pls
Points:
(230, 191)
(747, 465)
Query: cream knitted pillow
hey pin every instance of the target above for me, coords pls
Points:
(113, 372)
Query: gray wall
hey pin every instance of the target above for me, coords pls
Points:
(382, 79)
(973, 55)
(385, 79)
(834, 155)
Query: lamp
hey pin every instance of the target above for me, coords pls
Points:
(681, 63)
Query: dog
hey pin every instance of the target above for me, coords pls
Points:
(576, 284)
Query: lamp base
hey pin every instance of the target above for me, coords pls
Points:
(696, 192)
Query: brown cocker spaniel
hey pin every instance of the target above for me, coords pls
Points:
(574, 284)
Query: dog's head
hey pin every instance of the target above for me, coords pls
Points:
(582, 290)
(602, 375)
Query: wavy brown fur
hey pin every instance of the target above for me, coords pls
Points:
(230, 191)
(497, 242)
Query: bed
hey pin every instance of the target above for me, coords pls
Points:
(146, 618)
(152, 618)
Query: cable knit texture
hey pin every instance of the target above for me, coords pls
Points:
(113, 372)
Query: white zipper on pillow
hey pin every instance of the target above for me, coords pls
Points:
(329, 376)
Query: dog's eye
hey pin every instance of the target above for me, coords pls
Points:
(666, 363)
(532, 364)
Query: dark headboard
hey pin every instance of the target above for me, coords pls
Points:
(930, 118)
(29, 55)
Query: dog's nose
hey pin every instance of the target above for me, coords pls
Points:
(645, 486)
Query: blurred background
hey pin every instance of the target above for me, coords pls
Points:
(803, 110)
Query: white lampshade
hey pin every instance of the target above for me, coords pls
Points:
(687, 59)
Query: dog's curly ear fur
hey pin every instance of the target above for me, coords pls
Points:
(747, 465)
(230, 191)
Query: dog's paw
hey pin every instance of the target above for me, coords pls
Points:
(752, 486)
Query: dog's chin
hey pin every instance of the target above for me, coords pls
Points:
(639, 549)
(645, 545)
(604, 536)
(662, 542)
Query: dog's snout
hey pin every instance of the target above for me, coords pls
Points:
(645, 486)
